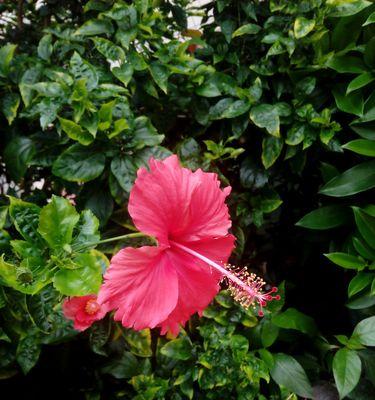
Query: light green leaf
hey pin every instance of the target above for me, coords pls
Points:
(344, 8)
(178, 349)
(45, 47)
(160, 74)
(85, 279)
(360, 81)
(57, 221)
(365, 331)
(346, 260)
(94, 27)
(6, 56)
(79, 164)
(370, 19)
(361, 146)
(75, 132)
(124, 73)
(109, 50)
(248, 29)
(346, 370)
(359, 282)
(266, 116)
(303, 26)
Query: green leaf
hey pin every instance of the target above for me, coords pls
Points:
(294, 319)
(271, 150)
(363, 249)
(360, 81)
(366, 225)
(365, 301)
(236, 109)
(295, 135)
(353, 181)
(105, 115)
(370, 19)
(365, 331)
(344, 8)
(25, 217)
(288, 372)
(269, 333)
(81, 69)
(75, 132)
(303, 26)
(122, 368)
(86, 231)
(6, 56)
(18, 155)
(218, 109)
(346, 371)
(347, 64)
(124, 73)
(49, 89)
(57, 221)
(160, 75)
(178, 349)
(28, 351)
(109, 50)
(94, 27)
(346, 260)
(45, 47)
(266, 116)
(145, 134)
(124, 170)
(9, 106)
(79, 164)
(85, 279)
(248, 29)
(327, 217)
(359, 282)
(361, 146)
(350, 103)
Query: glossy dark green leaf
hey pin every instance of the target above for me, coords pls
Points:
(9, 106)
(360, 81)
(327, 217)
(366, 226)
(45, 47)
(355, 180)
(271, 150)
(303, 26)
(247, 29)
(6, 56)
(79, 164)
(109, 50)
(18, 155)
(361, 281)
(28, 351)
(160, 74)
(266, 116)
(346, 8)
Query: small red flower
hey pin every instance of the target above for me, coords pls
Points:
(84, 311)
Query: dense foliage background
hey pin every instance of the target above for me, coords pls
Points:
(275, 96)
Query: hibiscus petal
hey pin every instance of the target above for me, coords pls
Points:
(174, 202)
(198, 283)
(141, 284)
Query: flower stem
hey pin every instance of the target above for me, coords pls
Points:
(127, 236)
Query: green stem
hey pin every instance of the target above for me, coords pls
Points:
(114, 239)
(127, 236)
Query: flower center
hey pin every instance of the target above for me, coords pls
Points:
(92, 307)
(245, 287)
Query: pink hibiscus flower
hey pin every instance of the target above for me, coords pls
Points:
(84, 311)
(163, 286)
